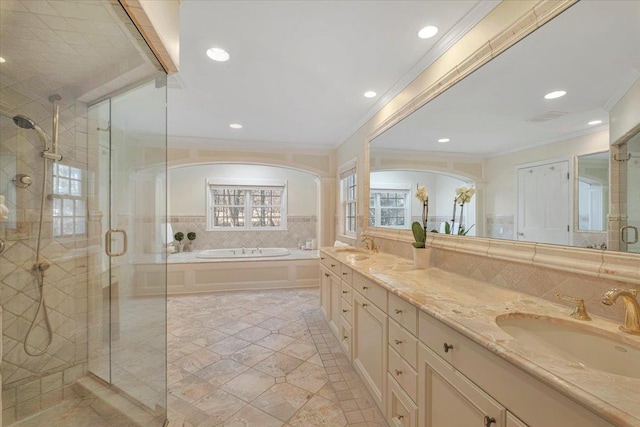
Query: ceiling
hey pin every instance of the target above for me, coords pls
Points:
(299, 69)
(591, 51)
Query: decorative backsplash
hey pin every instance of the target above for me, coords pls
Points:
(299, 230)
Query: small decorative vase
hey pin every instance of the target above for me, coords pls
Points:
(421, 258)
(180, 247)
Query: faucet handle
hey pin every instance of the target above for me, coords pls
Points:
(580, 312)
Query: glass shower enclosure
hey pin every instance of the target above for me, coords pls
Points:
(82, 252)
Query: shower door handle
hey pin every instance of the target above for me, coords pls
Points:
(107, 242)
(623, 235)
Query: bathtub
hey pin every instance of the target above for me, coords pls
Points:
(214, 270)
(243, 253)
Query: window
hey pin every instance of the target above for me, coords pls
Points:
(348, 197)
(69, 208)
(389, 208)
(237, 204)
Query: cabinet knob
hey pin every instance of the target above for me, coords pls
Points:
(345, 292)
(364, 304)
(398, 311)
(321, 257)
(345, 273)
(344, 310)
(447, 347)
(333, 265)
(326, 274)
(398, 373)
(364, 288)
(344, 337)
(398, 342)
(400, 417)
(488, 421)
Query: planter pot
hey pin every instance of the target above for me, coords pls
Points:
(188, 247)
(421, 257)
(180, 247)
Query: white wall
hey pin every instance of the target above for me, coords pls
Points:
(500, 189)
(187, 195)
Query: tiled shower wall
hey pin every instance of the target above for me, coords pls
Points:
(31, 383)
(299, 230)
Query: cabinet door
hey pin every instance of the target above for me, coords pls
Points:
(513, 421)
(370, 334)
(325, 292)
(336, 305)
(448, 399)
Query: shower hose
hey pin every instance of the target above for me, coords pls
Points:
(40, 268)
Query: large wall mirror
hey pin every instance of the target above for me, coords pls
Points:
(532, 132)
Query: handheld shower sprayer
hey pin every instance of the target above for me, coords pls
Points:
(25, 122)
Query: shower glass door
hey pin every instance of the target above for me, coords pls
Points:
(127, 275)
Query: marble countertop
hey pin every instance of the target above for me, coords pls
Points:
(470, 307)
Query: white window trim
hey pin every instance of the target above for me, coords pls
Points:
(347, 167)
(398, 188)
(248, 184)
(55, 173)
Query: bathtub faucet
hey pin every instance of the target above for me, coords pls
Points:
(244, 251)
(256, 250)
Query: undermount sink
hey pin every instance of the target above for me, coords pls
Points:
(581, 344)
(360, 257)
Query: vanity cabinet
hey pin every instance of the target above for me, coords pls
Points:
(325, 292)
(421, 372)
(448, 398)
(369, 343)
(450, 361)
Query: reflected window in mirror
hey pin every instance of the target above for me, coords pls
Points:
(348, 201)
(390, 207)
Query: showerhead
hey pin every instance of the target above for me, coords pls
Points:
(25, 122)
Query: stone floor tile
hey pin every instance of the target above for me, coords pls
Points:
(191, 388)
(275, 341)
(319, 412)
(252, 417)
(228, 346)
(249, 385)
(282, 400)
(219, 406)
(251, 354)
(222, 371)
(278, 365)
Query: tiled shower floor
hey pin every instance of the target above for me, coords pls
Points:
(260, 359)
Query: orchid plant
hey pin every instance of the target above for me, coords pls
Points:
(420, 232)
(463, 195)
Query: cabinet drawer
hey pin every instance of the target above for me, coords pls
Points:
(403, 312)
(345, 338)
(331, 263)
(403, 373)
(404, 343)
(374, 292)
(347, 311)
(401, 411)
(438, 337)
(346, 274)
(347, 293)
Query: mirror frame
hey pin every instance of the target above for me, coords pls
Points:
(591, 262)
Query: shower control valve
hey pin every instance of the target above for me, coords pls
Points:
(22, 181)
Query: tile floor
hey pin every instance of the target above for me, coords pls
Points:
(260, 359)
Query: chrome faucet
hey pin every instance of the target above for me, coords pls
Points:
(369, 243)
(244, 251)
(631, 308)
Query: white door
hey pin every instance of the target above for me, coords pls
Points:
(543, 203)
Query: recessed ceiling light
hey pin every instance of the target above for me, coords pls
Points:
(594, 122)
(235, 126)
(428, 32)
(443, 140)
(370, 94)
(2, 60)
(555, 94)
(218, 54)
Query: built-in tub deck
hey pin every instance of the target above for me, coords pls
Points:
(186, 273)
